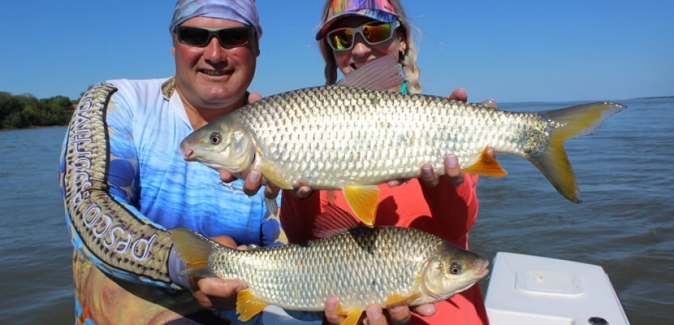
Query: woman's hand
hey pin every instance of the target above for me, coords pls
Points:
(452, 168)
(399, 314)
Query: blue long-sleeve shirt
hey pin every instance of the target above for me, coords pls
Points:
(124, 182)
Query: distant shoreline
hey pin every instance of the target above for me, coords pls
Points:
(34, 127)
(654, 97)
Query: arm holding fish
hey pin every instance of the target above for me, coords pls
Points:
(99, 167)
(455, 194)
(99, 174)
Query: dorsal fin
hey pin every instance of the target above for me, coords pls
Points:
(381, 74)
(332, 221)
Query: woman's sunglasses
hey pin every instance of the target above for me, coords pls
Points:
(373, 33)
(228, 37)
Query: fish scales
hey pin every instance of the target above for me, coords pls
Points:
(351, 137)
(334, 136)
(371, 266)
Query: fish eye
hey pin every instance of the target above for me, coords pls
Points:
(455, 268)
(215, 138)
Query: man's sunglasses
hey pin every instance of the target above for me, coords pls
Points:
(373, 33)
(228, 37)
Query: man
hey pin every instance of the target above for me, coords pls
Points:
(124, 180)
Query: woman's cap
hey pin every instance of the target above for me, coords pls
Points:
(380, 10)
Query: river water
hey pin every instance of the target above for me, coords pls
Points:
(625, 223)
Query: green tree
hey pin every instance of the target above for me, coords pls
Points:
(20, 111)
(8, 105)
(31, 113)
(58, 110)
(12, 121)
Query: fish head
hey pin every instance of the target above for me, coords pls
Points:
(221, 144)
(451, 270)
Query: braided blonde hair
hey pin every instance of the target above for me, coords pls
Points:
(408, 58)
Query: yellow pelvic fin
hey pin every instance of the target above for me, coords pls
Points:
(567, 123)
(271, 173)
(247, 305)
(363, 201)
(194, 249)
(396, 299)
(352, 316)
(486, 165)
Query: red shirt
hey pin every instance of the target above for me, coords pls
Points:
(445, 210)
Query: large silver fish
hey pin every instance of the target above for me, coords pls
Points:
(353, 135)
(361, 266)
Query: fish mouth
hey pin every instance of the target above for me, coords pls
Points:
(187, 150)
(482, 267)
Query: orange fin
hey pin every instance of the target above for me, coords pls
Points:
(352, 316)
(396, 299)
(567, 123)
(194, 249)
(486, 165)
(363, 201)
(247, 305)
(271, 173)
(332, 221)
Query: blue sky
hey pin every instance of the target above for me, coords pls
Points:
(512, 51)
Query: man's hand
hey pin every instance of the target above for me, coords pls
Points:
(213, 293)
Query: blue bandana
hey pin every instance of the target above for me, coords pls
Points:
(241, 11)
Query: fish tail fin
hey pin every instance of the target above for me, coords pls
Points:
(568, 123)
(195, 250)
(581, 119)
(554, 164)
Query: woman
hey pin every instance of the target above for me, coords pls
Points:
(353, 33)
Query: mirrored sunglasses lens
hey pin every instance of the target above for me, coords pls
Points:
(341, 39)
(233, 37)
(193, 35)
(376, 33)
